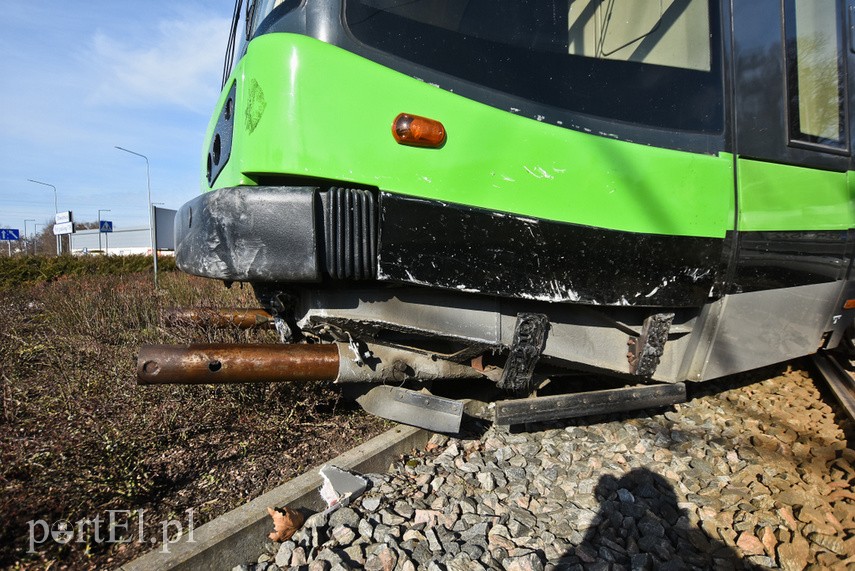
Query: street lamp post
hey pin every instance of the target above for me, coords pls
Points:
(55, 211)
(100, 210)
(150, 209)
(26, 247)
(36, 241)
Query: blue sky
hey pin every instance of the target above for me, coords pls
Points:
(79, 78)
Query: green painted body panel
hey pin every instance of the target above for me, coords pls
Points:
(306, 108)
(850, 187)
(785, 197)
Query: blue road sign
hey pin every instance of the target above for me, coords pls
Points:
(10, 234)
(106, 226)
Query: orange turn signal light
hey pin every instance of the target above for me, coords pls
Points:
(418, 131)
(850, 303)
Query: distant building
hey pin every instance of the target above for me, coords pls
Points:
(117, 243)
(126, 242)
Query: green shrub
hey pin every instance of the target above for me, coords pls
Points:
(18, 271)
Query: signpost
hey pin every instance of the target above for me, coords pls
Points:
(64, 228)
(164, 228)
(10, 234)
(64, 223)
(105, 227)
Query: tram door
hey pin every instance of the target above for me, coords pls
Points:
(792, 70)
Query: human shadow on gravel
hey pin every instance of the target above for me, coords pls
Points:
(639, 525)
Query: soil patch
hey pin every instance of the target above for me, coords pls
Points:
(83, 447)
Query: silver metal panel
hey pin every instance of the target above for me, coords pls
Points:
(414, 408)
(594, 345)
(602, 346)
(750, 330)
(475, 319)
(577, 334)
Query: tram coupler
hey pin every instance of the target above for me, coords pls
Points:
(249, 363)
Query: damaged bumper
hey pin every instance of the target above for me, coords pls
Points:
(278, 234)
(294, 235)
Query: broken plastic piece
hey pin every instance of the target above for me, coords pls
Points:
(284, 331)
(340, 487)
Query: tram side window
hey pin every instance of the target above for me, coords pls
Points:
(669, 32)
(650, 62)
(815, 81)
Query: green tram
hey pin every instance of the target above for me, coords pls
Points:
(656, 191)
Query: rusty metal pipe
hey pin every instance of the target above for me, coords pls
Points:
(244, 363)
(245, 318)
(337, 362)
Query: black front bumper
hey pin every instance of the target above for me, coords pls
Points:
(276, 234)
(290, 234)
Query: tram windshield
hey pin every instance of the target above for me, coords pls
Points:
(257, 11)
(655, 62)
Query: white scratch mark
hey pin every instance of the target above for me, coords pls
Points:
(697, 274)
(541, 173)
(558, 292)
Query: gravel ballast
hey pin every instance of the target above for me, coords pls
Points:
(742, 476)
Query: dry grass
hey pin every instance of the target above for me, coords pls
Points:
(78, 437)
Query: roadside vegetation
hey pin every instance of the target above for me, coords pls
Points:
(20, 271)
(79, 440)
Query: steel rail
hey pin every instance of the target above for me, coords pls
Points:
(840, 381)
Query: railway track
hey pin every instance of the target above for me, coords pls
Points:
(836, 369)
(750, 472)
